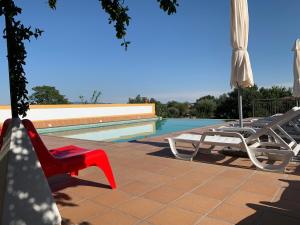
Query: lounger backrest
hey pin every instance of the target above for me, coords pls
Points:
(3, 131)
(280, 120)
(41, 150)
(288, 116)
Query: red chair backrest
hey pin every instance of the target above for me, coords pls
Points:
(41, 150)
(3, 131)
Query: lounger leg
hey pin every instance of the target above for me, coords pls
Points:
(205, 151)
(268, 167)
(178, 155)
(106, 168)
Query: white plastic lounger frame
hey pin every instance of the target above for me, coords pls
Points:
(252, 145)
(276, 123)
(216, 138)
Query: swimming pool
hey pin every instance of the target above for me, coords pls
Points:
(133, 131)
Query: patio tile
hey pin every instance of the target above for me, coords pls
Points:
(112, 198)
(174, 216)
(140, 207)
(144, 164)
(213, 191)
(235, 214)
(172, 172)
(291, 182)
(242, 163)
(272, 218)
(133, 173)
(144, 223)
(196, 203)
(242, 198)
(137, 187)
(290, 194)
(212, 221)
(89, 191)
(122, 181)
(263, 176)
(183, 183)
(236, 173)
(90, 170)
(113, 217)
(268, 189)
(200, 174)
(287, 207)
(154, 178)
(293, 177)
(83, 211)
(95, 174)
(65, 200)
(285, 203)
(154, 190)
(223, 181)
(163, 194)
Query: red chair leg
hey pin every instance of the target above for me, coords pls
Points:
(105, 166)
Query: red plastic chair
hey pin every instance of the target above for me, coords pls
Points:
(68, 159)
(3, 131)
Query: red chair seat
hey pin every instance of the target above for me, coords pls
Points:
(69, 151)
(68, 159)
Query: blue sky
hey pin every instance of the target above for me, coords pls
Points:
(179, 57)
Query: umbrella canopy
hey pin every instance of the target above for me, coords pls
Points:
(241, 71)
(296, 49)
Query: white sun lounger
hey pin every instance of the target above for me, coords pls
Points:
(277, 122)
(284, 150)
(257, 123)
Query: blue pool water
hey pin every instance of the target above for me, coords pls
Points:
(166, 126)
(137, 130)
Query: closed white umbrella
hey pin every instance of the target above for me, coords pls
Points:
(296, 89)
(241, 71)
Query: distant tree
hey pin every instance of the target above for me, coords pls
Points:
(172, 109)
(160, 108)
(205, 107)
(224, 107)
(227, 104)
(95, 97)
(182, 109)
(47, 95)
(82, 99)
(275, 92)
(272, 105)
(173, 112)
(93, 100)
(138, 99)
(209, 97)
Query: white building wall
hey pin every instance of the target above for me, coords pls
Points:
(81, 111)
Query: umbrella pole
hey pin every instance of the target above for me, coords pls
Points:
(240, 105)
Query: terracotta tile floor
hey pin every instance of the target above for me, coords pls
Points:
(156, 189)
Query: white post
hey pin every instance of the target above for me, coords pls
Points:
(240, 107)
(25, 196)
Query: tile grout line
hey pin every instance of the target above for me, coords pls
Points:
(110, 208)
(184, 194)
(160, 185)
(227, 197)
